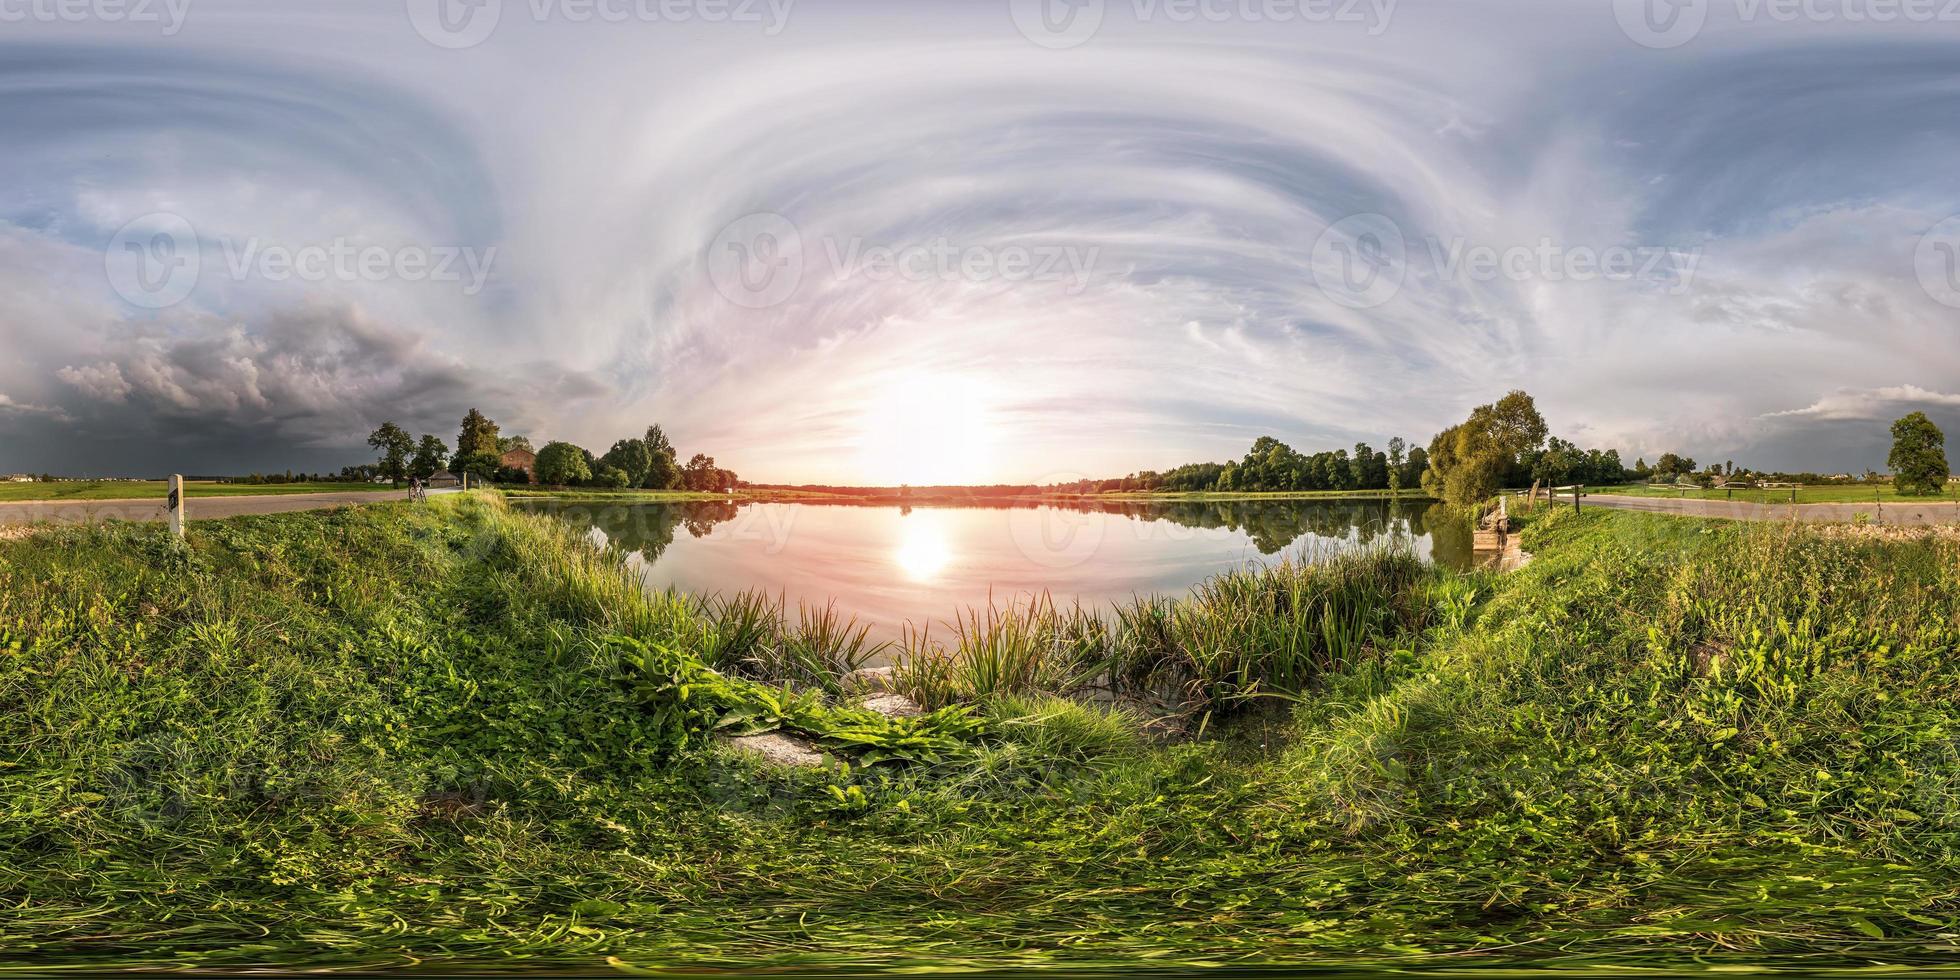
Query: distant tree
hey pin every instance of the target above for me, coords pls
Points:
(483, 466)
(507, 444)
(1918, 458)
(663, 466)
(613, 477)
(431, 454)
(701, 473)
(630, 457)
(479, 435)
(1398, 457)
(1412, 470)
(394, 445)
(562, 464)
(1671, 467)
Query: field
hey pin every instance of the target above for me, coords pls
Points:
(1852, 494)
(454, 735)
(157, 489)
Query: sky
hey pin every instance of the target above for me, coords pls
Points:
(971, 242)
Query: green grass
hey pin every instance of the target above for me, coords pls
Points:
(451, 735)
(157, 489)
(1855, 494)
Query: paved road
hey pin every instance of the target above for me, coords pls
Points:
(200, 508)
(1890, 512)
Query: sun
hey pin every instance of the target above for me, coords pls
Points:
(927, 430)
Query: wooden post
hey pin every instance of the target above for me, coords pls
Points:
(174, 507)
(1575, 497)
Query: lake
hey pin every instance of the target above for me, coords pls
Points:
(891, 565)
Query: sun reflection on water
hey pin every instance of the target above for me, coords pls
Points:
(923, 551)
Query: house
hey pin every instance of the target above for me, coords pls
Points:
(443, 478)
(520, 459)
(18, 478)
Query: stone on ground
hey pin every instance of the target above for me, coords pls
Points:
(892, 705)
(781, 749)
(872, 680)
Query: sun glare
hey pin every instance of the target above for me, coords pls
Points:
(927, 430)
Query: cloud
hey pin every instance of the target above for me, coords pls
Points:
(1874, 404)
(1201, 173)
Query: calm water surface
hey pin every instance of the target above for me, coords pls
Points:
(923, 565)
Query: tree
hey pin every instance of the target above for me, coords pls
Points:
(507, 444)
(629, 457)
(663, 466)
(483, 466)
(1509, 427)
(1469, 462)
(479, 435)
(1918, 457)
(1671, 467)
(394, 445)
(562, 464)
(1440, 459)
(1398, 458)
(612, 476)
(431, 454)
(700, 473)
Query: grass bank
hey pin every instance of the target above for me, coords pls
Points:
(1859, 494)
(390, 735)
(158, 489)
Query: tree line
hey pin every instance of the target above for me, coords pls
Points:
(1503, 444)
(1506, 443)
(649, 462)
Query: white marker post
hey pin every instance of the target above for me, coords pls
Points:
(174, 509)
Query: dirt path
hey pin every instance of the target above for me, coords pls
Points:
(200, 508)
(1891, 512)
